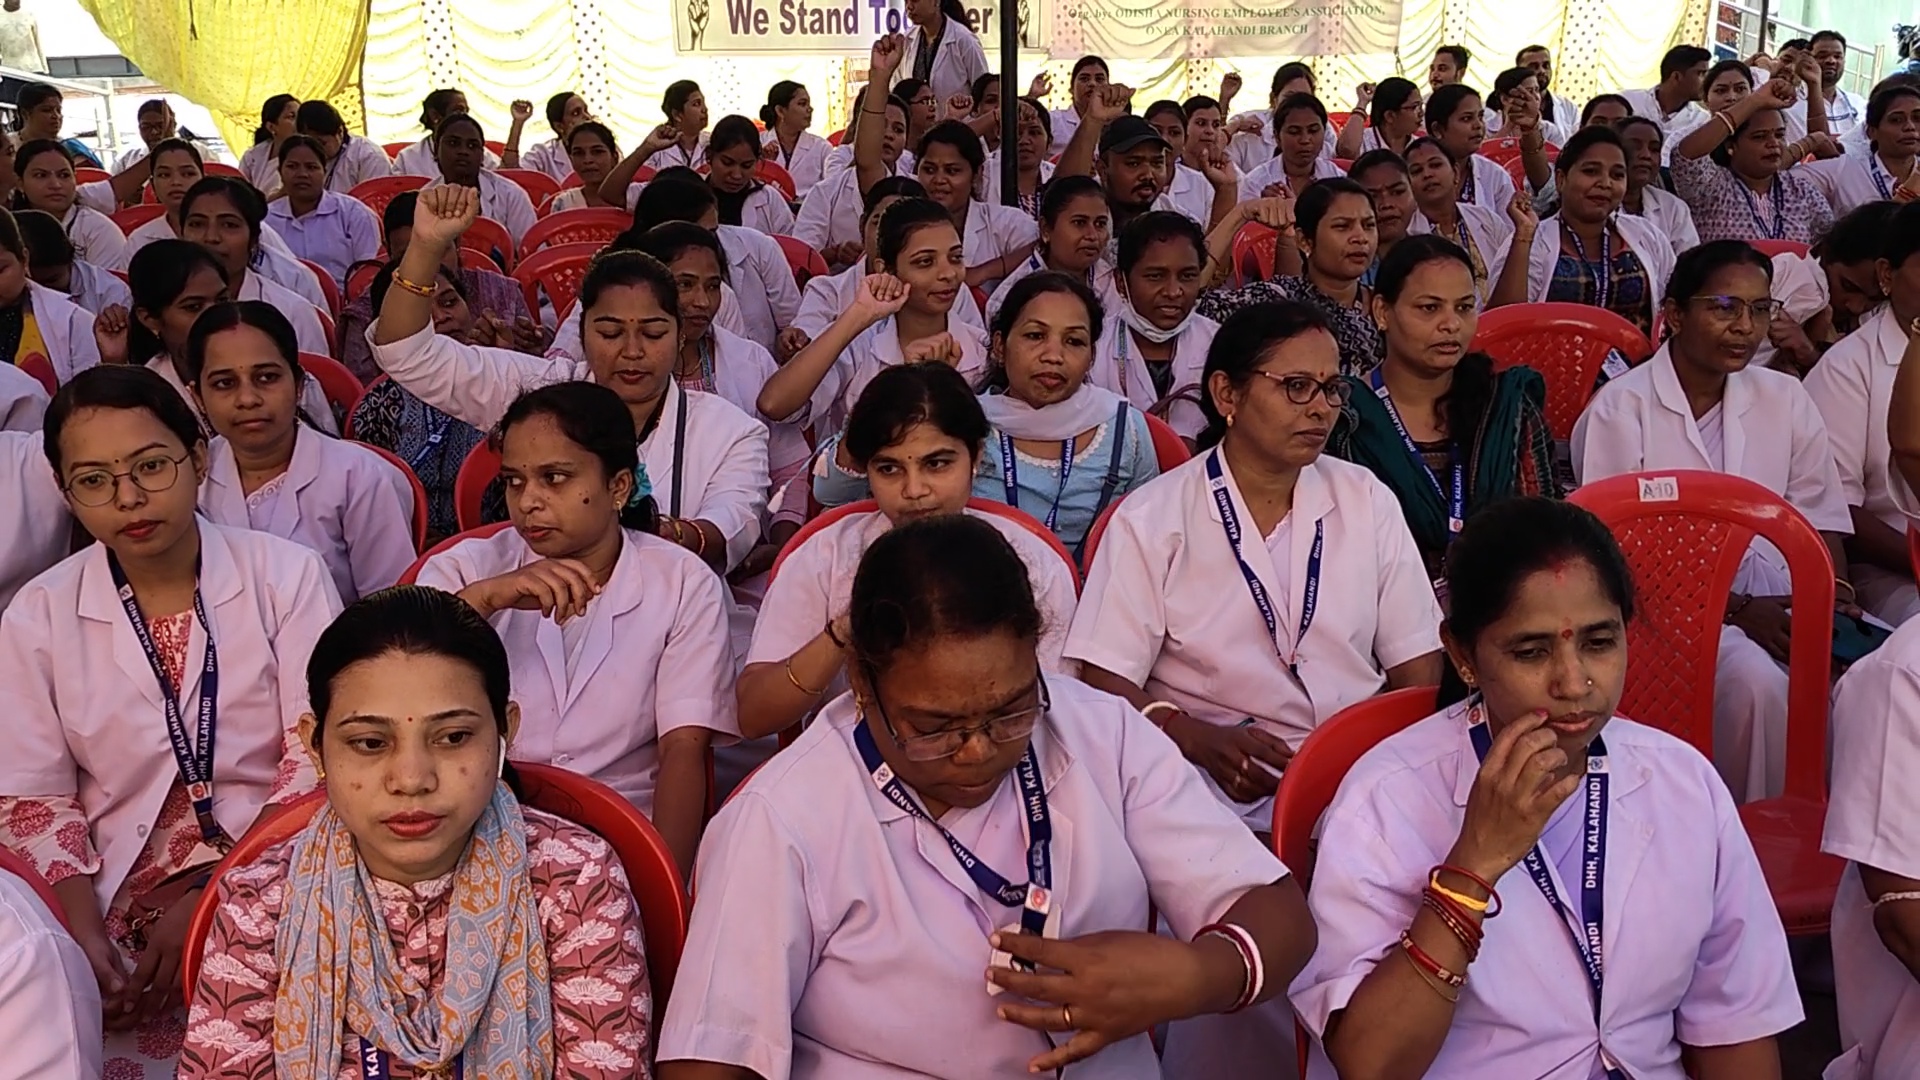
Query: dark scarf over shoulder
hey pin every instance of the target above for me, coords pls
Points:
(1512, 455)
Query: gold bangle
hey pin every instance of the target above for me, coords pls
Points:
(1852, 596)
(795, 680)
(1478, 907)
(413, 287)
(700, 534)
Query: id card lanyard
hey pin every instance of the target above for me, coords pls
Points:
(1455, 495)
(1230, 520)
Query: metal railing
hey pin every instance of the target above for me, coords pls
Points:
(1736, 33)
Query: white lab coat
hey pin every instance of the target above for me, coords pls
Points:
(1645, 239)
(1694, 952)
(95, 290)
(95, 237)
(808, 162)
(23, 402)
(987, 187)
(1166, 607)
(830, 214)
(958, 60)
(67, 329)
(1271, 171)
(338, 498)
(313, 400)
(1190, 194)
(1100, 281)
(741, 369)
(567, 342)
(757, 266)
(826, 297)
(1676, 124)
(50, 1019)
(84, 708)
(879, 347)
(1670, 214)
(548, 157)
(308, 330)
(34, 526)
(420, 160)
(824, 906)
(1492, 235)
(261, 168)
(652, 656)
(503, 201)
(723, 464)
(993, 232)
(1773, 435)
(1873, 820)
(766, 211)
(1851, 180)
(677, 156)
(1800, 284)
(286, 270)
(1117, 366)
(360, 159)
(1852, 386)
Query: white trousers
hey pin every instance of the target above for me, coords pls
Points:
(1749, 718)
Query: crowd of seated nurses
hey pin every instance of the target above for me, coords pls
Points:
(928, 614)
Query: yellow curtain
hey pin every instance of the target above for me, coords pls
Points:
(229, 56)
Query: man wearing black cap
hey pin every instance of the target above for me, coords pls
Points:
(1133, 161)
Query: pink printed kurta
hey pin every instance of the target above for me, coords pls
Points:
(590, 923)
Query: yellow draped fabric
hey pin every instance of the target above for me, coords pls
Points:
(229, 56)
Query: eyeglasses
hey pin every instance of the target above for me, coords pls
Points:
(943, 744)
(97, 487)
(1728, 308)
(1301, 388)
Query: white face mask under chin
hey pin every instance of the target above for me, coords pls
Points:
(1145, 328)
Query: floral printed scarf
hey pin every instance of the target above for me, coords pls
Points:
(338, 968)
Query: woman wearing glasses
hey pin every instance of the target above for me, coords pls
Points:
(1700, 403)
(151, 683)
(1258, 546)
(955, 821)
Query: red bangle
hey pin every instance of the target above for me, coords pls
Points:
(1249, 955)
(1428, 964)
(1495, 904)
(1468, 934)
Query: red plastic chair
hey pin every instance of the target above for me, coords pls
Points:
(1683, 532)
(88, 175)
(379, 191)
(413, 572)
(393, 148)
(220, 168)
(538, 185)
(834, 139)
(130, 218)
(1168, 447)
(496, 147)
(1099, 530)
(1770, 248)
(419, 491)
(1566, 344)
(341, 386)
(596, 225)
(772, 172)
(558, 270)
(470, 483)
(814, 525)
(1913, 550)
(657, 886)
(645, 174)
(360, 278)
(1253, 252)
(41, 368)
(328, 287)
(487, 237)
(332, 331)
(13, 864)
(1345, 165)
(1314, 776)
(805, 262)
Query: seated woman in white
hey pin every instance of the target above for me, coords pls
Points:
(269, 469)
(1062, 449)
(1526, 801)
(1250, 594)
(152, 684)
(51, 1025)
(1827, 293)
(424, 922)
(35, 530)
(43, 171)
(1700, 404)
(23, 401)
(51, 263)
(880, 865)
(618, 638)
(225, 215)
(905, 313)
(460, 149)
(784, 121)
(174, 166)
(1154, 346)
(762, 280)
(36, 321)
(1076, 234)
(708, 460)
(172, 282)
(917, 433)
(829, 217)
(1485, 235)
(732, 155)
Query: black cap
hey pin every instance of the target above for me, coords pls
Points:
(1128, 132)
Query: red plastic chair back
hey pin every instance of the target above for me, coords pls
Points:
(12, 863)
(645, 174)
(557, 269)
(331, 330)
(1566, 344)
(772, 172)
(1253, 251)
(814, 525)
(328, 287)
(360, 278)
(379, 191)
(1683, 533)
(834, 139)
(1099, 530)
(538, 185)
(657, 886)
(130, 218)
(805, 262)
(496, 147)
(341, 386)
(1168, 447)
(470, 483)
(40, 368)
(489, 238)
(419, 491)
(1345, 165)
(220, 168)
(88, 175)
(481, 533)
(1770, 248)
(346, 426)
(1314, 774)
(1913, 549)
(393, 148)
(596, 225)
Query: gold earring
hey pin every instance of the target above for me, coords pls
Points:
(1229, 419)
(320, 772)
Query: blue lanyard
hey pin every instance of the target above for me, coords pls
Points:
(1873, 170)
(1035, 898)
(1779, 207)
(434, 437)
(1009, 477)
(1120, 356)
(1603, 275)
(194, 759)
(1230, 520)
(376, 1065)
(1466, 182)
(1593, 867)
(1457, 504)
